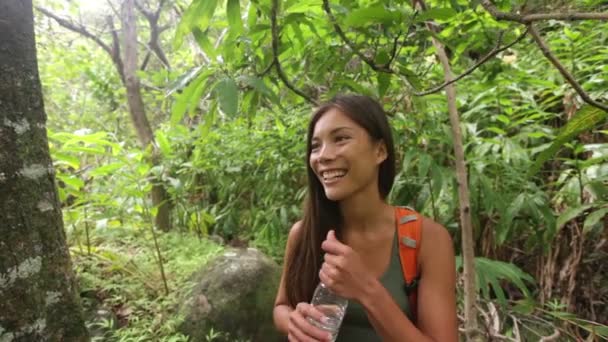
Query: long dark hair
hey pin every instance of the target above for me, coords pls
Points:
(320, 213)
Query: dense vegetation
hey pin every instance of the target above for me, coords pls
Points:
(228, 88)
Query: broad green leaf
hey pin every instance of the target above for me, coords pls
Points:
(304, 6)
(61, 158)
(73, 181)
(384, 82)
(585, 119)
(371, 15)
(107, 169)
(183, 80)
(228, 96)
(424, 163)
(233, 12)
(570, 214)
(203, 41)
(199, 15)
(186, 98)
(593, 218)
(259, 85)
(436, 14)
(496, 130)
(163, 144)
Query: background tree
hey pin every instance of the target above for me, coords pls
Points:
(126, 65)
(38, 296)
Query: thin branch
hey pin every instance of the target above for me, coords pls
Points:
(266, 70)
(529, 18)
(116, 49)
(496, 50)
(75, 28)
(144, 64)
(275, 52)
(394, 50)
(113, 51)
(351, 45)
(155, 31)
(565, 16)
(565, 73)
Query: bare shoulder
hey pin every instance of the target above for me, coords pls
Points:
(436, 244)
(433, 232)
(294, 234)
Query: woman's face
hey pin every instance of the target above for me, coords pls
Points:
(343, 156)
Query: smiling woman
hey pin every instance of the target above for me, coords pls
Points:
(348, 238)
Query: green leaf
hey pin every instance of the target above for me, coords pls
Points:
(570, 214)
(594, 218)
(72, 181)
(424, 163)
(163, 144)
(436, 14)
(227, 95)
(197, 15)
(383, 58)
(259, 85)
(585, 119)
(233, 12)
(375, 14)
(186, 98)
(504, 119)
(183, 80)
(384, 82)
(65, 159)
(203, 41)
(496, 130)
(107, 169)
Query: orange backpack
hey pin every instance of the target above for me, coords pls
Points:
(409, 226)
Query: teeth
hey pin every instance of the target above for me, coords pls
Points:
(332, 174)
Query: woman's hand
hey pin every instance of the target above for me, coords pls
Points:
(301, 330)
(343, 271)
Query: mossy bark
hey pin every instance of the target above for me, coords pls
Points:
(38, 297)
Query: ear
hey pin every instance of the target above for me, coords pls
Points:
(381, 152)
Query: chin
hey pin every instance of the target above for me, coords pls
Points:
(335, 195)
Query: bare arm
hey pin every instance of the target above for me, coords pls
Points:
(436, 295)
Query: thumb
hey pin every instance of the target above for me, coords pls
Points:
(331, 235)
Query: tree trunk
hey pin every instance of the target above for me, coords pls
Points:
(160, 198)
(38, 297)
(468, 246)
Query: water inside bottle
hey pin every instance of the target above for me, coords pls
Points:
(335, 314)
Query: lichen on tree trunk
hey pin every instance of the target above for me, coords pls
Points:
(38, 296)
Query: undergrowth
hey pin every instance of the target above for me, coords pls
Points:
(120, 276)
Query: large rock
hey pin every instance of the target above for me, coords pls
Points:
(234, 293)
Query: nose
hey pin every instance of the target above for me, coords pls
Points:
(327, 152)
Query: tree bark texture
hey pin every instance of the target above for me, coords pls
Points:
(160, 198)
(468, 247)
(38, 297)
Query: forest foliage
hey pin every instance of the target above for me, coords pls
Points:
(229, 116)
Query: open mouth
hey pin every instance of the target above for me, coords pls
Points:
(331, 176)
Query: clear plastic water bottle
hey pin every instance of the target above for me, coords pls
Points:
(332, 306)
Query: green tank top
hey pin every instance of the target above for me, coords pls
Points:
(356, 327)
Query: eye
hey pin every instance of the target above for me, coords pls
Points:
(314, 147)
(341, 138)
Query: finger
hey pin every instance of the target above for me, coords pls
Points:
(334, 247)
(306, 332)
(334, 260)
(316, 314)
(326, 279)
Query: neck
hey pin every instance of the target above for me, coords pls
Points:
(364, 212)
